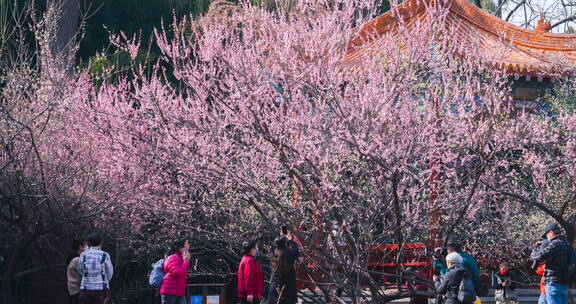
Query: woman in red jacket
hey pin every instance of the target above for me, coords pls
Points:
(173, 289)
(250, 277)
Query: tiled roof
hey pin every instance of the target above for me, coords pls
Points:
(510, 47)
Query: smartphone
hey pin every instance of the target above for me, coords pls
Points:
(284, 229)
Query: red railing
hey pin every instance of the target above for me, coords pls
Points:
(380, 261)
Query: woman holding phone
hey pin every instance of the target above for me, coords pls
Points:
(283, 288)
(173, 289)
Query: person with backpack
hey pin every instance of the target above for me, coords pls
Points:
(173, 288)
(468, 261)
(157, 273)
(250, 276)
(95, 268)
(456, 285)
(504, 285)
(73, 277)
(283, 289)
(556, 255)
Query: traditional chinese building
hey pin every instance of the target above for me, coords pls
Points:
(532, 58)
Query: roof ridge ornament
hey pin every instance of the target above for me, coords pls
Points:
(542, 27)
(514, 49)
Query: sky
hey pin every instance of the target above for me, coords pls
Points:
(553, 10)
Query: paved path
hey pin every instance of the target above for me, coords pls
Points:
(525, 296)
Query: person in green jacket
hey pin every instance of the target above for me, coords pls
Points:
(467, 260)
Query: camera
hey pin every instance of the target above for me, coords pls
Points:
(437, 270)
(528, 249)
(435, 255)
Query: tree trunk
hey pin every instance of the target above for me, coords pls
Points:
(13, 263)
(569, 228)
(67, 27)
(499, 8)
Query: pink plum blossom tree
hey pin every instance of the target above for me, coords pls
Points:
(256, 118)
(49, 186)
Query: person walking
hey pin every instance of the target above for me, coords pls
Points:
(250, 276)
(73, 277)
(173, 289)
(504, 285)
(555, 254)
(449, 285)
(283, 289)
(95, 268)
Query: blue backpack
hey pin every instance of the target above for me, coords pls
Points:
(466, 290)
(157, 274)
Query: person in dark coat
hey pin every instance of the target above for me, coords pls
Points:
(555, 254)
(283, 288)
(504, 286)
(449, 284)
(467, 260)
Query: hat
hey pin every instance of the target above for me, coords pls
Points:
(454, 257)
(551, 227)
